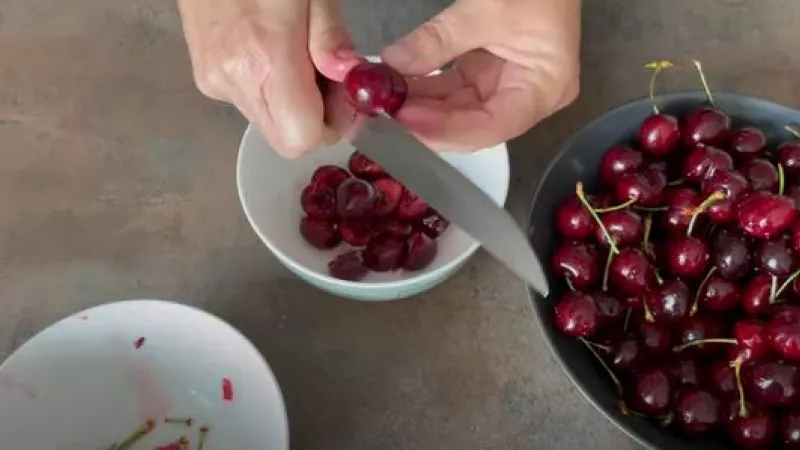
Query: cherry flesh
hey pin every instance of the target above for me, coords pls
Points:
(576, 315)
(421, 252)
(618, 161)
(668, 302)
(365, 168)
(374, 88)
(388, 193)
(764, 215)
(696, 410)
(356, 232)
(703, 162)
(579, 262)
(659, 134)
(705, 126)
(776, 257)
(320, 233)
(395, 227)
(433, 224)
(719, 295)
(355, 199)
(747, 143)
(384, 252)
(761, 174)
(772, 383)
(687, 257)
(573, 221)
(731, 255)
(329, 176)
(411, 207)
(631, 271)
(624, 226)
(319, 201)
(348, 266)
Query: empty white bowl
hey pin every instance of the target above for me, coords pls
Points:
(270, 187)
(93, 378)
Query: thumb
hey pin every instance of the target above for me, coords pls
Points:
(329, 44)
(440, 40)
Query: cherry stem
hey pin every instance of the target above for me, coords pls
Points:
(705, 83)
(648, 316)
(605, 366)
(137, 435)
(582, 197)
(793, 131)
(179, 420)
(651, 209)
(700, 288)
(627, 320)
(785, 284)
(711, 229)
(659, 280)
(677, 182)
(781, 179)
(737, 371)
(604, 348)
(702, 207)
(773, 288)
(569, 284)
(617, 207)
(203, 435)
(648, 226)
(683, 347)
(656, 67)
(605, 272)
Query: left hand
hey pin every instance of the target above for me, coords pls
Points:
(515, 63)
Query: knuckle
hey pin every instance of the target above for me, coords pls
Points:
(436, 32)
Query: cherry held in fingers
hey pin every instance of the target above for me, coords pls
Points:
(373, 88)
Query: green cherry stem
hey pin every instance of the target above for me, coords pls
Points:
(737, 371)
(793, 131)
(606, 270)
(651, 209)
(702, 207)
(785, 284)
(627, 320)
(137, 435)
(705, 83)
(656, 67)
(677, 182)
(616, 207)
(569, 283)
(773, 289)
(683, 347)
(582, 197)
(648, 315)
(781, 179)
(700, 288)
(602, 362)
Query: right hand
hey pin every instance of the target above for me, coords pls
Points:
(260, 55)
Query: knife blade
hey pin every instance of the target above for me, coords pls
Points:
(452, 194)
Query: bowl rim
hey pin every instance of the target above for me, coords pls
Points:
(533, 296)
(270, 374)
(501, 149)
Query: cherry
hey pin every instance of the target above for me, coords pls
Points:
(320, 233)
(731, 256)
(318, 201)
(365, 168)
(650, 392)
(579, 262)
(754, 430)
(329, 176)
(384, 252)
(788, 154)
(695, 329)
(696, 410)
(668, 302)
(630, 271)
(751, 340)
(618, 161)
(355, 199)
(783, 334)
(411, 207)
(705, 126)
(756, 294)
(684, 372)
(348, 266)
(775, 257)
(680, 203)
(789, 429)
(719, 295)
(747, 142)
(395, 227)
(356, 232)
(772, 383)
(796, 236)
(609, 308)
(645, 187)
(576, 315)
(793, 192)
(659, 134)
(421, 252)
(656, 338)
(375, 87)
(687, 257)
(387, 192)
(786, 313)
(728, 188)
(761, 174)
(763, 215)
(573, 221)
(625, 354)
(702, 162)
(624, 226)
(723, 378)
(433, 224)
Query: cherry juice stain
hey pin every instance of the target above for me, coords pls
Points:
(227, 390)
(139, 343)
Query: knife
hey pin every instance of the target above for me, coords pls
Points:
(452, 194)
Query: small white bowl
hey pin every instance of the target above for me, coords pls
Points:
(93, 378)
(270, 187)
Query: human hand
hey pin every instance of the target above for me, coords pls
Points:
(515, 63)
(260, 55)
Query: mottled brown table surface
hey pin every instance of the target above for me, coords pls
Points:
(117, 181)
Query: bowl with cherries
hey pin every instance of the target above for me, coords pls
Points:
(343, 223)
(672, 230)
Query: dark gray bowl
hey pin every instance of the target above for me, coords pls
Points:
(578, 160)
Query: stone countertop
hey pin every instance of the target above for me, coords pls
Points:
(117, 181)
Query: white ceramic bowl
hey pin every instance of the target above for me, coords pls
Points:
(270, 187)
(82, 383)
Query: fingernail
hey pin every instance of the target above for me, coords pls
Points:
(347, 54)
(398, 55)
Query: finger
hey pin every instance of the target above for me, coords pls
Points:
(329, 43)
(435, 43)
(435, 86)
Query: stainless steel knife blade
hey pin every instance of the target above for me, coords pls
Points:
(451, 193)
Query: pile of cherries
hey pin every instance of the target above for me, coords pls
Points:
(389, 226)
(683, 276)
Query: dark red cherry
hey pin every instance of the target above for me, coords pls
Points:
(618, 161)
(375, 87)
(696, 410)
(659, 134)
(723, 378)
(705, 126)
(772, 383)
(787, 313)
(684, 371)
(624, 226)
(776, 257)
(764, 215)
(756, 293)
(355, 199)
(388, 193)
(348, 266)
(576, 315)
(609, 308)
(731, 186)
(646, 186)
(751, 339)
(793, 192)
(365, 168)
(702, 162)
(319, 201)
(630, 271)
(783, 335)
(761, 174)
(573, 221)
(655, 338)
(789, 429)
(433, 224)
(789, 157)
(700, 328)
(668, 302)
(747, 143)
(384, 252)
(755, 430)
(395, 227)
(411, 207)
(796, 236)
(731, 255)
(719, 295)
(579, 262)
(680, 202)
(329, 176)
(320, 233)
(625, 354)
(687, 257)
(650, 392)
(421, 251)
